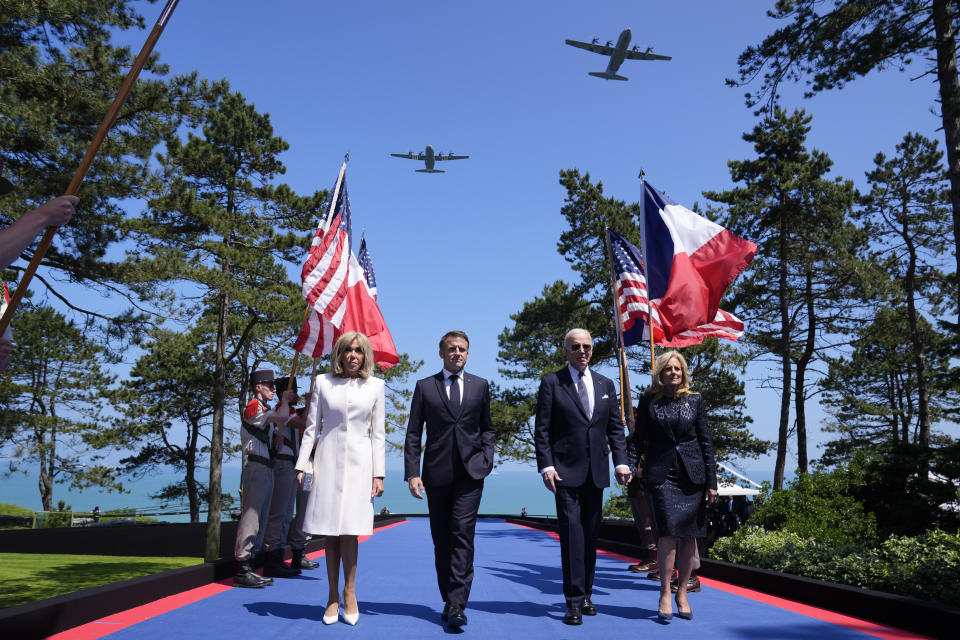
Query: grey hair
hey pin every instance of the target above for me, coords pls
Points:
(566, 338)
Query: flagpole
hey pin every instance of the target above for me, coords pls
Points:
(326, 227)
(643, 250)
(92, 150)
(626, 399)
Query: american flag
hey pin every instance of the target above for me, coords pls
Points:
(325, 273)
(363, 257)
(634, 305)
(316, 336)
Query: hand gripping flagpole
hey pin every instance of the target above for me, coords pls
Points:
(626, 414)
(92, 150)
(326, 227)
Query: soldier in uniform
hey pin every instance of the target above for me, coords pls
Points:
(258, 435)
(285, 487)
(296, 537)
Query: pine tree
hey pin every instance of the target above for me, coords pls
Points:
(798, 293)
(59, 74)
(908, 214)
(53, 398)
(854, 37)
(219, 232)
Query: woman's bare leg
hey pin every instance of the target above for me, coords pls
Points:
(686, 557)
(332, 554)
(666, 558)
(349, 550)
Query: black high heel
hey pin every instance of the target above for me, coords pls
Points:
(686, 615)
(664, 617)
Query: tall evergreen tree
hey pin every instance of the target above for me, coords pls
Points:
(219, 228)
(872, 396)
(59, 73)
(851, 38)
(908, 212)
(53, 398)
(166, 412)
(798, 290)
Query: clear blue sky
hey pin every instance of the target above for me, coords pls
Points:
(494, 80)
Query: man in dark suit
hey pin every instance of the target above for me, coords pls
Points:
(455, 406)
(577, 424)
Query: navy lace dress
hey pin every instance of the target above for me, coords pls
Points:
(677, 501)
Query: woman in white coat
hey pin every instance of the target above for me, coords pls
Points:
(346, 420)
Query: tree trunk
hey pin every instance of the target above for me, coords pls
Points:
(786, 378)
(943, 23)
(212, 549)
(45, 484)
(802, 363)
(192, 499)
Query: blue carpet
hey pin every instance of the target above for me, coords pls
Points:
(516, 594)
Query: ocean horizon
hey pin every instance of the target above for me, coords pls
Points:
(508, 489)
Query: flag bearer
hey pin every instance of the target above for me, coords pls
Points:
(258, 435)
(284, 498)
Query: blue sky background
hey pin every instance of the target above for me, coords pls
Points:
(494, 80)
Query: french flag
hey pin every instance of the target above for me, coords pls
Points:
(690, 262)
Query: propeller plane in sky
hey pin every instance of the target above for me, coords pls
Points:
(429, 157)
(618, 53)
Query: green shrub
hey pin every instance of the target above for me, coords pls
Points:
(817, 506)
(925, 566)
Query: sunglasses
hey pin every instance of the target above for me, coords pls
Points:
(580, 347)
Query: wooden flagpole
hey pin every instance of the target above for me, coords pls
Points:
(643, 250)
(626, 399)
(92, 150)
(326, 227)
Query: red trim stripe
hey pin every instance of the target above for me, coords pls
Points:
(857, 624)
(128, 618)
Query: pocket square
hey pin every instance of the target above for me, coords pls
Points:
(605, 396)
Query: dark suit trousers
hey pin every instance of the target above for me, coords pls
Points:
(578, 515)
(453, 520)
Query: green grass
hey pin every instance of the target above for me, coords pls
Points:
(28, 577)
(14, 510)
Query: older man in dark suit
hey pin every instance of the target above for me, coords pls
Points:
(455, 407)
(577, 424)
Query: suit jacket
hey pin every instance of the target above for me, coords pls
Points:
(567, 440)
(690, 441)
(467, 431)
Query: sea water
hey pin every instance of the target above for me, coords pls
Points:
(510, 488)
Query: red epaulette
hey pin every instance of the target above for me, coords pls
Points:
(253, 408)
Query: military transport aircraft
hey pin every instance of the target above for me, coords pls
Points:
(429, 156)
(617, 54)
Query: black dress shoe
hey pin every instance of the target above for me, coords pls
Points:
(455, 616)
(573, 616)
(588, 608)
(445, 615)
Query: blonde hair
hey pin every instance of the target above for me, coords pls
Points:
(656, 389)
(340, 347)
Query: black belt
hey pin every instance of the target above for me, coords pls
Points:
(252, 457)
(284, 456)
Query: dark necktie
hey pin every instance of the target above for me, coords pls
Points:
(454, 392)
(582, 392)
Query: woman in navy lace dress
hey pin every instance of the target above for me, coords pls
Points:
(679, 472)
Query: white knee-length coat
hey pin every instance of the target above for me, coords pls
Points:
(346, 420)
